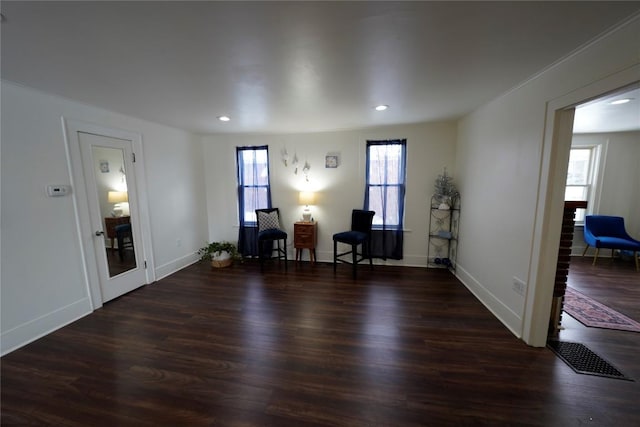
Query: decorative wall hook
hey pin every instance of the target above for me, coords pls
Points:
(305, 170)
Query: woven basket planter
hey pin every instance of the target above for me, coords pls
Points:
(220, 264)
(220, 254)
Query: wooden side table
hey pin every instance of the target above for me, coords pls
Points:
(305, 236)
(110, 226)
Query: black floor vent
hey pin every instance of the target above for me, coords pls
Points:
(584, 361)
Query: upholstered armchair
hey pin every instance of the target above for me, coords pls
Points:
(603, 231)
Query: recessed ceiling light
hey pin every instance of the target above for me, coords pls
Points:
(224, 118)
(620, 101)
(381, 107)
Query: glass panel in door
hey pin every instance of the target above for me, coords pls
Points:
(111, 187)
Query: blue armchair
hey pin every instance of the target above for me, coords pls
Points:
(602, 231)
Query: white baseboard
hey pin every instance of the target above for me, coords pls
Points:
(576, 250)
(175, 265)
(508, 317)
(32, 330)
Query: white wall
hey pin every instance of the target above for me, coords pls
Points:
(500, 168)
(619, 180)
(43, 282)
(430, 148)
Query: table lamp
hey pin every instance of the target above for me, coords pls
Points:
(306, 198)
(117, 198)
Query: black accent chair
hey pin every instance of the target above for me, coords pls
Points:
(360, 234)
(269, 232)
(125, 238)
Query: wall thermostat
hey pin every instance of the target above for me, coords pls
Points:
(58, 190)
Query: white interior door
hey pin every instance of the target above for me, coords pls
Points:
(112, 199)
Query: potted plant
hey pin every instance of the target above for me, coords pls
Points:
(445, 190)
(221, 254)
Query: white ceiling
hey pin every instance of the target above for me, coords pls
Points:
(601, 115)
(291, 66)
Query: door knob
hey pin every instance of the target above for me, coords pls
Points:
(99, 233)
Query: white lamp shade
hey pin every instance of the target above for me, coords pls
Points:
(307, 198)
(117, 196)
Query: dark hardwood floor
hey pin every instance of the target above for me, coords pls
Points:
(233, 347)
(616, 284)
(117, 265)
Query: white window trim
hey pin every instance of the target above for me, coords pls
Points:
(596, 174)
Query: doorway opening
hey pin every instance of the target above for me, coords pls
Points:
(601, 176)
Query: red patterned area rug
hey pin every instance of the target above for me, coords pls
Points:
(591, 313)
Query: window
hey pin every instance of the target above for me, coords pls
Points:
(580, 177)
(253, 182)
(254, 193)
(385, 182)
(384, 194)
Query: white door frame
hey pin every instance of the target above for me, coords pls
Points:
(70, 128)
(550, 203)
(112, 286)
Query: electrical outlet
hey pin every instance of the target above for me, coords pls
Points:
(178, 242)
(519, 286)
